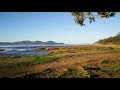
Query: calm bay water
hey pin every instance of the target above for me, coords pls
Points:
(20, 50)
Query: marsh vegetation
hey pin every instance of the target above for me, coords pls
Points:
(87, 61)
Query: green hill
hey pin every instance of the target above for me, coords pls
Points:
(115, 40)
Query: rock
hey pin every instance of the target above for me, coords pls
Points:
(17, 56)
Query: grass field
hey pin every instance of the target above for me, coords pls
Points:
(87, 61)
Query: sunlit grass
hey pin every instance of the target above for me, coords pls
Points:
(106, 58)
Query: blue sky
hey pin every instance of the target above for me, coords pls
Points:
(54, 26)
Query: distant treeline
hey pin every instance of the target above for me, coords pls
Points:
(111, 40)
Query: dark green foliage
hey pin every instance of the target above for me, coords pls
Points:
(31, 75)
(112, 68)
(81, 16)
(43, 74)
(111, 40)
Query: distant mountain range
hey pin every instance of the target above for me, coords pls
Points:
(31, 43)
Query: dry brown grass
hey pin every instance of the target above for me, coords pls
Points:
(86, 60)
(104, 58)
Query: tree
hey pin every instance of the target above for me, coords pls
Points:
(118, 34)
(81, 16)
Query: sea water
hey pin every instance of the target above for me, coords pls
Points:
(20, 50)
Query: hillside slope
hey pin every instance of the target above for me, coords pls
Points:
(115, 40)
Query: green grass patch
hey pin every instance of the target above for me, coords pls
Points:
(11, 67)
(11, 63)
(44, 59)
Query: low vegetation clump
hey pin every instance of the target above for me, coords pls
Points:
(104, 69)
(10, 63)
(70, 72)
(73, 72)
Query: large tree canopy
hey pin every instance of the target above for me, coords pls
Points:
(81, 16)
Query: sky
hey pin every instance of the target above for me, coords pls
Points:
(54, 26)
